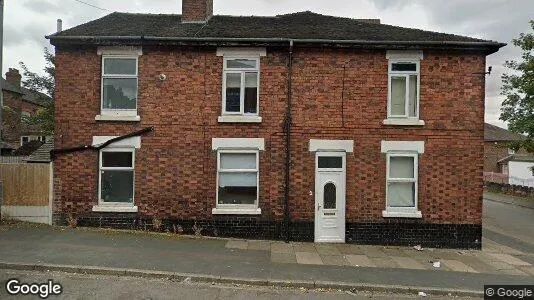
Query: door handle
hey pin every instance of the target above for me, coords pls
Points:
(318, 207)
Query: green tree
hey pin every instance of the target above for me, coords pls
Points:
(44, 117)
(518, 87)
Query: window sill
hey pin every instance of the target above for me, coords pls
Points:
(236, 211)
(239, 119)
(403, 122)
(416, 214)
(115, 208)
(118, 118)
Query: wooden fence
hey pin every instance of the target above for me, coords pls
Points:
(12, 159)
(26, 191)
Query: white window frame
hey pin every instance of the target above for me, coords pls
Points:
(415, 179)
(115, 206)
(238, 208)
(410, 57)
(22, 139)
(243, 72)
(118, 114)
(403, 149)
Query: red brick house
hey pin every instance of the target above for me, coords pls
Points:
(496, 149)
(298, 126)
(19, 101)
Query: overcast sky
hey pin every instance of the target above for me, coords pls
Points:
(26, 22)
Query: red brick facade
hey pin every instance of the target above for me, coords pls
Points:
(11, 117)
(337, 94)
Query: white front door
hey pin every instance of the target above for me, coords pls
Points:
(330, 197)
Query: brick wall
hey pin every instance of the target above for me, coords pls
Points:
(337, 94)
(11, 117)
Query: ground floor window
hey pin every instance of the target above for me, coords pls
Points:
(237, 179)
(402, 180)
(117, 172)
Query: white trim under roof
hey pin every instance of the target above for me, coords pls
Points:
(332, 145)
(405, 146)
(238, 143)
(120, 50)
(131, 142)
(241, 52)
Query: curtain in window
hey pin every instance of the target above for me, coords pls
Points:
(398, 95)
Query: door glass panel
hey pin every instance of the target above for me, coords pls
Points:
(335, 162)
(329, 196)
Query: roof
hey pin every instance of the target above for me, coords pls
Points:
(42, 154)
(28, 95)
(494, 133)
(517, 157)
(303, 26)
(28, 148)
(4, 145)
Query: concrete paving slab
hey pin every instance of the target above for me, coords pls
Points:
(283, 258)
(237, 244)
(308, 258)
(507, 258)
(360, 261)
(324, 249)
(407, 263)
(384, 262)
(259, 245)
(280, 247)
(527, 269)
(458, 266)
(304, 247)
(373, 251)
(334, 260)
(479, 265)
(494, 247)
(349, 249)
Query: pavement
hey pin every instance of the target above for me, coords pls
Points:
(353, 267)
(507, 257)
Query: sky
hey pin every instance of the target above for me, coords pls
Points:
(26, 22)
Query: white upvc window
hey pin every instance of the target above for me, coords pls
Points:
(237, 179)
(241, 84)
(402, 164)
(403, 88)
(119, 88)
(24, 139)
(116, 177)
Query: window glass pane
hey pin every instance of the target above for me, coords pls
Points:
(330, 162)
(120, 93)
(117, 186)
(412, 104)
(238, 160)
(398, 95)
(329, 196)
(401, 194)
(123, 66)
(237, 188)
(241, 63)
(117, 159)
(401, 167)
(251, 92)
(233, 92)
(403, 67)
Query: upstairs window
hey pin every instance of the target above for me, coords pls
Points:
(403, 88)
(119, 85)
(240, 86)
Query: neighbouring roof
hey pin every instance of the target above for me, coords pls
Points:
(28, 148)
(28, 95)
(517, 157)
(42, 154)
(302, 26)
(494, 133)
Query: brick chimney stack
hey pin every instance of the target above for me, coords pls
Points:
(196, 11)
(13, 77)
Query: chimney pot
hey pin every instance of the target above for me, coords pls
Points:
(196, 11)
(59, 25)
(13, 77)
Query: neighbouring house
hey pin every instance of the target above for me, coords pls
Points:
(19, 102)
(300, 126)
(496, 140)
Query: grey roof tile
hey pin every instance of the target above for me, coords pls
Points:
(494, 133)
